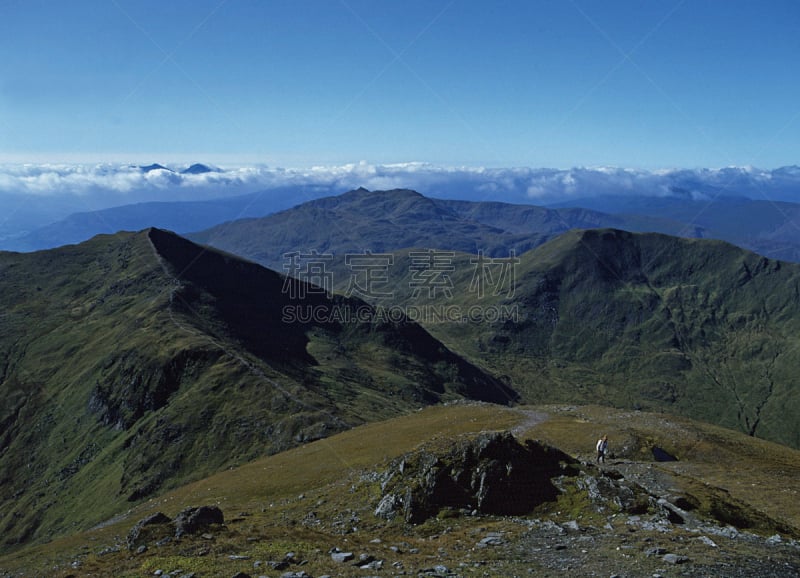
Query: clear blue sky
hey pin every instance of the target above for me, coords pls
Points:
(558, 83)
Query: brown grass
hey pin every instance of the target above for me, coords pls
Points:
(265, 501)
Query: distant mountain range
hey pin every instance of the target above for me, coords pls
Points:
(177, 216)
(604, 315)
(195, 169)
(697, 209)
(391, 220)
(180, 217)
(770, 228)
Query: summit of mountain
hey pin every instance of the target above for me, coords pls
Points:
(154, 167)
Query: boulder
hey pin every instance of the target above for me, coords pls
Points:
(491, 473)
(194, 520)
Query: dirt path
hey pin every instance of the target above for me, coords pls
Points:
(532, 418)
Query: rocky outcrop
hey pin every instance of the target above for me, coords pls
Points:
(491, 473)
(155, 527)
(194, 520)
(160, 528)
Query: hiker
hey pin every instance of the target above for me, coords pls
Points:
(602, 449)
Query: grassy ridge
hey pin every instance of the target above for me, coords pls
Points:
(134, 363)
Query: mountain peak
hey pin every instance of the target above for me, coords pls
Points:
(154, 167)
(198, 169)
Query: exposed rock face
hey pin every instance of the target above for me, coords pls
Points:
(134, 384)
(491, 474)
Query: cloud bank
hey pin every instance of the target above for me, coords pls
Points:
(110, 185)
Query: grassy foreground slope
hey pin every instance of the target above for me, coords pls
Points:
(321, 496)
(137, 362)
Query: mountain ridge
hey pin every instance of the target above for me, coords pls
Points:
(765, 227)
(690, 326)
(138, 361)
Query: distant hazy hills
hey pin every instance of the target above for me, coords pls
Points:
(178, 216)
(181, 217)
(389, 220)
(693, 210)
(770, 228)
(136, 362)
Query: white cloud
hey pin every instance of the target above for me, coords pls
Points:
(115, 184)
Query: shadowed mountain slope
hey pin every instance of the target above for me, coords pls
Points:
(135, 362)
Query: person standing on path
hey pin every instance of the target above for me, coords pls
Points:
(602, 449)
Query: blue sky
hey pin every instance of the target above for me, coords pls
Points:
(549, 83)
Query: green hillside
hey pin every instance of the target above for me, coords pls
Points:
(691, 326)
(134, 363)
(695, 327)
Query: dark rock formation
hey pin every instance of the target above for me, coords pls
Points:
(662, 455)
(491, 474)
(194, 520)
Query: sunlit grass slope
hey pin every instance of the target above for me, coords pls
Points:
(267, 502)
